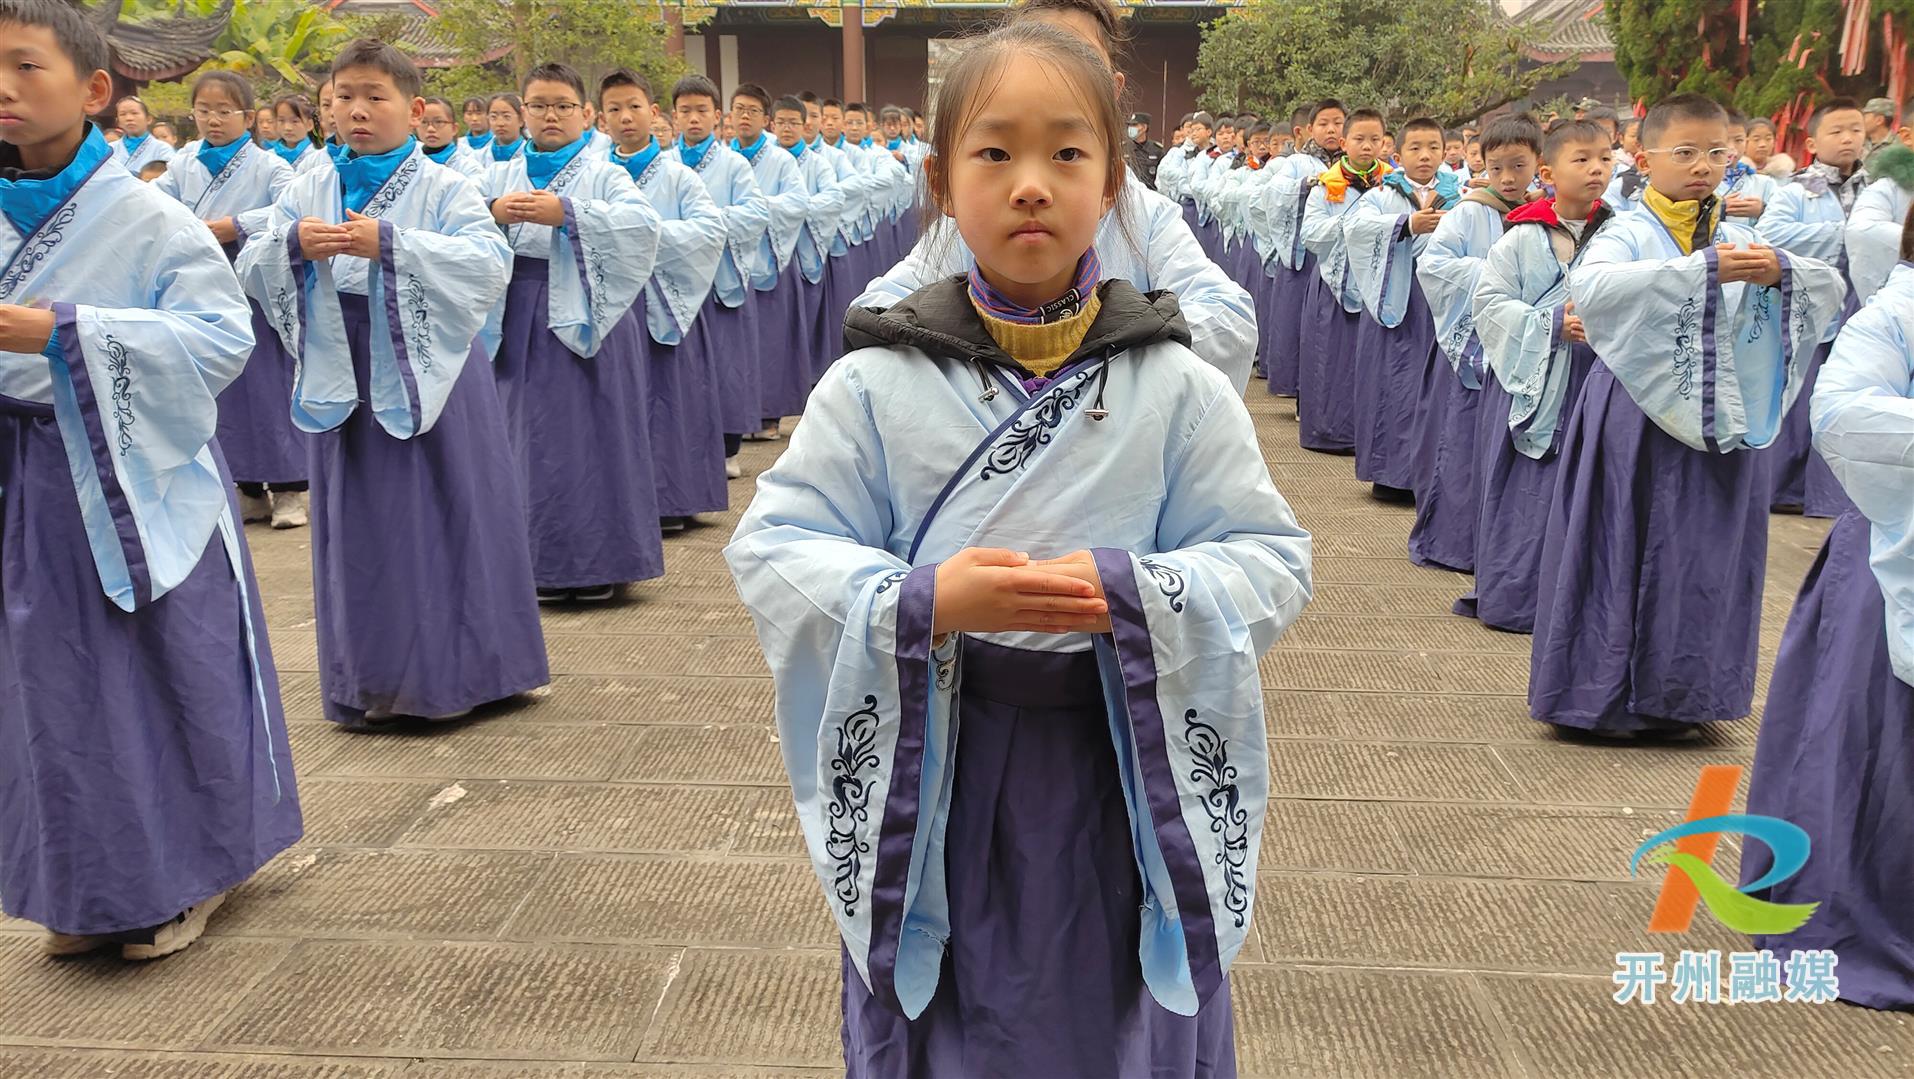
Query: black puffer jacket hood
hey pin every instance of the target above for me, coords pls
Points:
(940, 320)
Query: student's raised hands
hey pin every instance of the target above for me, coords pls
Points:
(1572, 328)
(362, 234)
(991, 590)
(1083, 566)
(1758, 265)
(529, 207)
(1425, 220)
(319, 240)
(1742, 206)
(224, 230)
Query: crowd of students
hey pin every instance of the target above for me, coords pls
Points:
(507, 362)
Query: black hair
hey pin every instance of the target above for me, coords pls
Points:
(788, 103)
(556, 72)
(831, 103)
(135, 99)
(1300, 117)
(72, 30)
(696, 86)
(756, 93)
(1204, 118)
(623, 76)
(449, 110)
(1833, 104)
(1763, 121)
(383, 58)
(1185, 121)
(858, 106)
(1680, 108)
(1572, 133)
(808, 98)
(237, 88)
(1518, 130)
(300, 106)
(1325, 105)
(1601, 113)
(472, 102)
(1420, 123)
(889, 111)
(1111, 36)
(1258, 129)
(1352, 119)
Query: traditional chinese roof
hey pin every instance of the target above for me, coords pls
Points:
(163, 48)
(421, 34)
(1565, 28)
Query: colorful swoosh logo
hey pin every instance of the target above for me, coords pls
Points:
(1732, 906)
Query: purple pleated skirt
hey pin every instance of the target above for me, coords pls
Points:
(1040, 976)
(422, 573)
(1282, 334)
(1326, 380)
(1516, 493)
(1392, 369)
(1649, 608)
(1447, 462)
(687, 435)
(140, 773)
(785, 332)
(578, 431)
(1836, 757)
(255, 414)
(731, 334)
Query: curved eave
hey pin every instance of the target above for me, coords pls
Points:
(1554, 57)
(157, 74)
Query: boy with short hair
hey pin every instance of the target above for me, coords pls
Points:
(1332, 312)
(684, 425)
(732, 318)
(784, 329)
(1649, 611)
(1454, 155)
(1535, 357)
(817, 236)
(1808, 217)
(144, 770)
(1277, 210)
(1473, 159)
(572, 357)
(1744, 192)
(1448, 270)
(378, 275)
(1396, 358)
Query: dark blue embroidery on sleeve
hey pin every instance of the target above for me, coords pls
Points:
(1687, 345)
(850, 802)
(421, 331)
(119, 367)
(1170, 581)
(1229, 820)
(36, 249)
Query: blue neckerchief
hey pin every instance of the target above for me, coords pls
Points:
(132, 145)
(505, 151)
(29, 202)
(818, 142)
(1736, 173)
(541, 166)
(479, 142)
(693, 156)
(756, 148)
(637, 163)
(797, 149)
(841, 141)
(290, 153)
(442, 155)
(867, 143)
(216, 158)
(362, 175)
(338, 150)
(894, 145)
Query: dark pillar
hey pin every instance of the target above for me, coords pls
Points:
(853, 53)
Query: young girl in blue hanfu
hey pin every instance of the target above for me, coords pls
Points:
(293, 120)
(1012, 578)
(506, 112)
(1836, 754)
(143, 762)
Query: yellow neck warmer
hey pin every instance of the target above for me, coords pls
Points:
(1685, 220)
(1042, 348)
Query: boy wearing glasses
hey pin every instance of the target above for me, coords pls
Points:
(1649, 605)
(784, 363)
(731, 317)
(572, 356)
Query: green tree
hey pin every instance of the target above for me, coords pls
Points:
(1273, 54)
(273, 42)
(593, 36)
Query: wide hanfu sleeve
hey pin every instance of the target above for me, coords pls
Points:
(134, 395)
(823, 215)
(863, 706)
(1448, 274)
(787, 202)
(1519, 307)
(690, 243)
(1715, 367)
(600, 259)
(1180, 669)
(1220, 313)
(1382, 254)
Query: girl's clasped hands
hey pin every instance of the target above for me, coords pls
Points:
(992, 590)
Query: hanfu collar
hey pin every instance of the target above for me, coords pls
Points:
(867, 143)
(442, 155)
(505, 151)
(751, 152)
(998, 306)
(1340, 177)
(290, 153)
(637, 163)
(693, 156)
(338, 150)
(30, 197)
(215, 158)
(798, 149)
(1444, 185)
(132, 145)
(1691, 223)
(541, 165)
(894, 145)
(362, 175)
(479, 142)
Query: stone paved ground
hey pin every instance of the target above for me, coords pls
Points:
(608, 881)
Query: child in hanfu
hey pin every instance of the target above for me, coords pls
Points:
(1278, 210)
(1012, 577)
(784, 326)
(1332, 311)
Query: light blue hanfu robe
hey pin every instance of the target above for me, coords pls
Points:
(733, 320)
(242, 181)
(1873, 238)
(143, 759)
(785, 322)
(900, 751)
(1154, 250)
(496, 151)
(135, 154)
(1649, 610)
(423, 591)
(295, 154)
(1742, 179)
(686, 429)
(1276, 217)
(1332, 322)
(818, 240)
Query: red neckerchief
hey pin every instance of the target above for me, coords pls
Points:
(1542, 212)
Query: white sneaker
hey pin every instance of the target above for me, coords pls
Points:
(177, 934)
(289, 509)
(57, 943)
(253, 508)
(732, 469)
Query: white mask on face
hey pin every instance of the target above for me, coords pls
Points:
(1132, 130)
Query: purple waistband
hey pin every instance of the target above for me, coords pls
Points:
(525, 266)
(1029, 679)
(13, 406)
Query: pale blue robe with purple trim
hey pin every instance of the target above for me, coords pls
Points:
(686, 430)
(573, 368)
(899, 465)
(784, 323)
(149, 150)
(1391, 371)
(143, 757)
(1836, 754)
(1332, 322)
(422, 572)
(732, 320)
(1275, 213)
(1649, 610)
(819, 240)
(1751, 185)
(255, 430)
(1873, 236)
